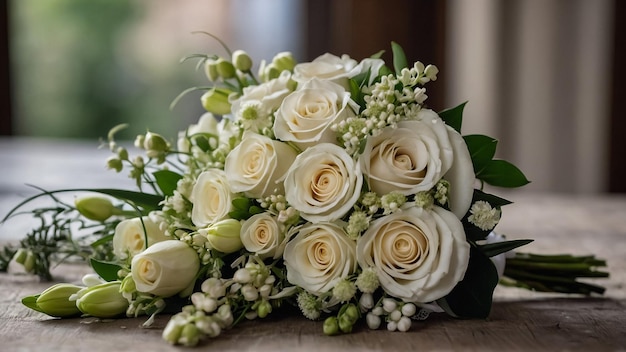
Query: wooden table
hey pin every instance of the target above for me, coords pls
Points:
(520, 320)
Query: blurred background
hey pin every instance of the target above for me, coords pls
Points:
(542, 76)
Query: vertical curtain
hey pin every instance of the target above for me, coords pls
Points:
(537, 77)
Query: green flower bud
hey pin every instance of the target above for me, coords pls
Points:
(102, 301)
(20, 256)
(114, 163)
(351, 312)
(216, 101)
(95, 207)
(128, 285)
(55, 302)
(264, 309)
(225, 69)
(122, 153)
(173, 330)
(242, 61)
(284, 61)
(155, 145)
(331, 326)
(345, 323)
(224, 236)
(190, 335)
(210, 69)
(30, 261)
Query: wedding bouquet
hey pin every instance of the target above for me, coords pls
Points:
(325, 187)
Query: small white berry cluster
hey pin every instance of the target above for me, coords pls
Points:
(396, 314)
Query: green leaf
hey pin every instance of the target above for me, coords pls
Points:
(146, 201)
(31, 302)
(241, 203)
(399, 58)
(453, 117)
(239, 214)
(107, 271)
(378, 55)
(167, 180)
(493, 249)
(501, 173)
(101, 241)
(494, 200)
(473, 296)
(481, 148)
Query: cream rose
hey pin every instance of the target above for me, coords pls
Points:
(257, 164)
(134, 235)
(211, 197)
(165, 268)
(419, 255)
(327, 67)
(323, 183)
(319, 256)
(262, 235)
(410, 158)
(306, 115)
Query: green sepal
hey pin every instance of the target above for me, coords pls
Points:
(501, 173)
(31, 302)
(493, 249)
(453, 117)
(472, 297)
(399, 58)
(107, 271)
(167, 181)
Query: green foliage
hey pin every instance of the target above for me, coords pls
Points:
(472, 297)
(399, 58)
(493, 249)
(107, 271)
(167, 181)
(502, 173)
(244, 208)
(453, 117)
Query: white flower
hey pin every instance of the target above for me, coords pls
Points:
(134, 235)
(262, 235)
(165, 268)
(305, 116)
(460, 176)
(211, 197)
(484, 216)
(323, 183)
(414, 156)
(419, 255)
(327, 67)
(408, 159)
(319, 256)
(265, 98)
(257, 164)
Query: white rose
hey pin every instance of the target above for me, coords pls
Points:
(410, 158)
(206, 124)
(165, 268)
(419, 255)
(319, 256)
(134, 235)
(460, 175)
(327, 67)
(306, 115)
(257, 164)
(211, 197)
(262, 235)
(255, 106)
(323, 183)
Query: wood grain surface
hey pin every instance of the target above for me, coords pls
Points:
(520, 320)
